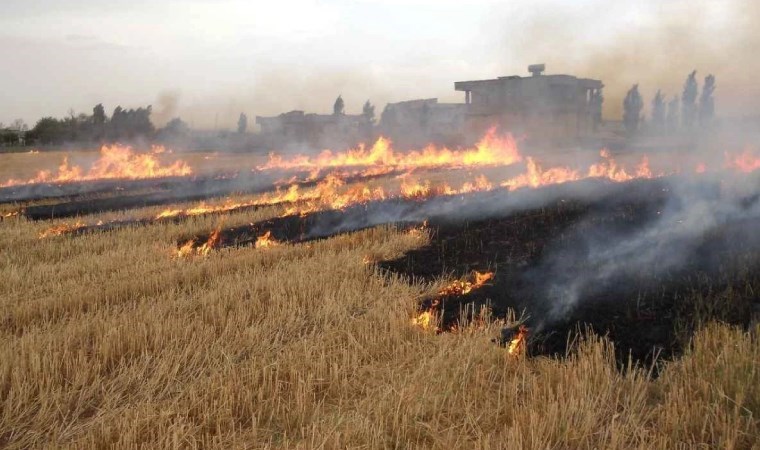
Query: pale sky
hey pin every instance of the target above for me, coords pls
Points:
(207, 61)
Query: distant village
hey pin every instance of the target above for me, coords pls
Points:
(552, 109)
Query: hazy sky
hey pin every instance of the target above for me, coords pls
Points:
(207, 61)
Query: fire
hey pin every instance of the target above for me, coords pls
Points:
(186, 249)
(61, 229)
(427, 319)
(115, 162)
(491, 150)
(609, 169)
(463, 287)
(189, 249)
(266, 241)
(744, 162)
(536, 176)
(211, 243)
(517, 345)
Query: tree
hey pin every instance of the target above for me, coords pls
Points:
(48, 130)
(242, 123)
(672, 116)
(131, 123)
(368, 111)
(706, 101)
(99, 115)
(632, 106)
(338, 106)
(658, 111)
(175, 128)
(689, 100)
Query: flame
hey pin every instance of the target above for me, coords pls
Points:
(536, 176)
(517, 345)
(609, 169)
(116, 161)
(745, 162)
(189, 249)
(211, 242)
(186, 249)
(427, 319)
(266, 241)
(463, 287)
(61, 229)
(491, 150)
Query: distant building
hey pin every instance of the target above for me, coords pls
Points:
(543, 106)
(418, 122)
(320, 130)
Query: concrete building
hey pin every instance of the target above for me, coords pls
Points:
(542, 106)
(419, 122)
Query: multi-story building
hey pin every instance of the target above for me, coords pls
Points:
(542, 106)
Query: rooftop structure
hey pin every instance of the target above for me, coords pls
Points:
(555, 106)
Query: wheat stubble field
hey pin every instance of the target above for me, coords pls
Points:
(110, 340)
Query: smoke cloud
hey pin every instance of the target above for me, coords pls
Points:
(601, 256)
(657, 46)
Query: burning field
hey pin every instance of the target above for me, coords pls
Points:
(475, 297)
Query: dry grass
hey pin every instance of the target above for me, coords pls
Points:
(105, 340)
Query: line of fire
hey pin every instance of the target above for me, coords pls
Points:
(531, 211)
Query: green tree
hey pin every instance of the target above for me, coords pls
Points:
(99, 115)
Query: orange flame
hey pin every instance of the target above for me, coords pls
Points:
(463, 287)
(61, 229)
(517, 345)
(116, 161)
(189, 249)
(744, 162)
(609, 169)
(266, 241)
(492, 150)
(427, 319)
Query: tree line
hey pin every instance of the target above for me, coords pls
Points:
(124, 124)
(686, 112)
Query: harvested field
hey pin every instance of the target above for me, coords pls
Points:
(312, 338)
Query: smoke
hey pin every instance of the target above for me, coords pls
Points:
(656, 45)
(602, 256)
(166, 107)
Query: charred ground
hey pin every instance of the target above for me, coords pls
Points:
(648, 314)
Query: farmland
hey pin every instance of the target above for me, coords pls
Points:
(255, 314)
